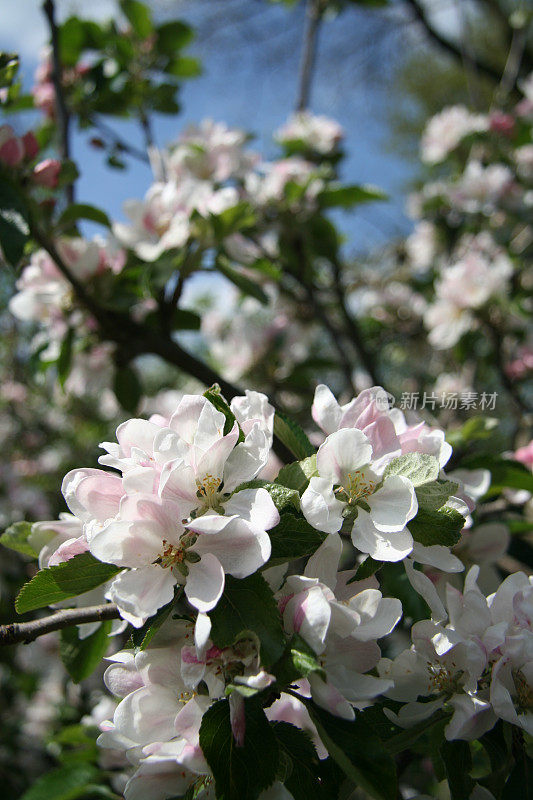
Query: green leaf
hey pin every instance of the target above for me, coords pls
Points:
(242, 282)
(302, 781)
(240, 772)
(69, 579)
(139, 17)
(292, 436)
(282, 497)
(173, 36)
(432, 496)
(419, 468)
(127, 388)
(71, 41)
(141, 637)
(82, 656)
(358, 752)
(64, 360)
(184, 319)
(349, 196)
(83, 211)
(64, 783)
(248, 606)
(437, 527)
(298, 474)
(509, 474)
(16, 538)
(14, 215)
(292, 538)
(184, 67)
(214, 395)
(304, 658)
(458, 763)
(519, 785)
(366, 568)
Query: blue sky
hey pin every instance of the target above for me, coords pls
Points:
(249, 80)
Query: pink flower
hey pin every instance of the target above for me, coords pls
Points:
(46, 173)
(501, 123)
(525, 455)
(31, 145)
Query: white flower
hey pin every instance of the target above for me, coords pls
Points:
(350, 482)
(445, 131)
(318, 133)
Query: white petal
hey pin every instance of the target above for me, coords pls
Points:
(205, 583)
(325, 411)
(394, 504)
(320, 507)
(380, 545)
(240, 548)
(422, 584)
(255, 506)
(139, 593)
(324, 562)
(342, 452)
(326, 696)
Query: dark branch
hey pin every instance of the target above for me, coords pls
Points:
(62, 112)
(135, 339)
(452, 49)
(28, 631)
(117, 141)
(312, 26)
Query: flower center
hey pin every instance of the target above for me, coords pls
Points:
(357, 486)
(524, 692)
(441, 678)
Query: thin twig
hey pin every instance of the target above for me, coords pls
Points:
(313, 18)
(28, 631)
(121, 144)
(356, 337)
(482, 66)
(62, 112)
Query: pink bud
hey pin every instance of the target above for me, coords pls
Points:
(46, 173)
(501, 123)
(11, 147)
(31, 145)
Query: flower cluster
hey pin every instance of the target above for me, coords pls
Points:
(480, 661)
(472, 228)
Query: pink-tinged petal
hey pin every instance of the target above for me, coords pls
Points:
(128, 544)
(308, 613)
(394, 504)
(252, 407)
(192, 667)
(178, 482)
(422, 584)
(92, 493)
(238, 547)
(380, 545)
(122, 677)
(12, 152)
(189, 718)
(202, 631)
(147, 715)
(320, 507)
(205, 583)
(140, 593)
(247, 459)
(211, 462)
(382, 436)
(67, 550)
(138, 434)
(472, 718)
(324, 562)
(326, 696)
(237, 718)
(197, 421)
(343, 452)
(255, 506)
(325, 410)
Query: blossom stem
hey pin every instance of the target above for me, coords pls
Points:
(28, 631)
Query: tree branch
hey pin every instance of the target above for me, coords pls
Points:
(356, 337)
(120, 143)
(28, 631)
(135, 339)
(314, 12)
(452, 49)
(62, 112)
